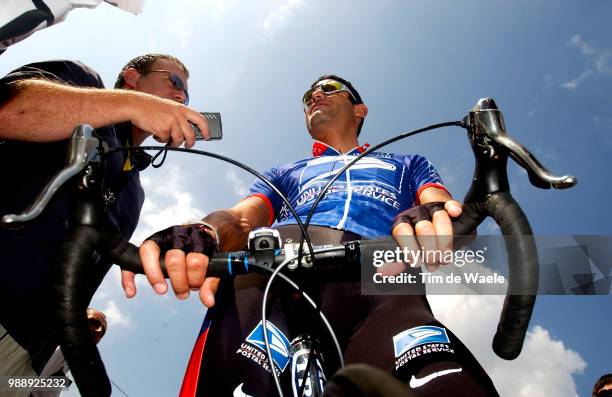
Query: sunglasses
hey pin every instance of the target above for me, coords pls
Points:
(327, 87)
(176, 82)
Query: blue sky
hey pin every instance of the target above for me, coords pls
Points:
(548, 64)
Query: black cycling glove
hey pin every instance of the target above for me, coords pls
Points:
(418, 213)
(187, 238)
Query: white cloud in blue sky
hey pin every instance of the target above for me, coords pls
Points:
(545, 367)
(167, 202)
(240, 186)
(114, 314)
(281, 15)
(597, 59)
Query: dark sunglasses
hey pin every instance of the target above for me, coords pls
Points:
(176, 82)
(605, 393)
(327, 87)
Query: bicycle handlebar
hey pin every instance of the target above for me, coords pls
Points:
(76, 341)
(84, 148)
(522, 265)
(343, 262)
(488, 195)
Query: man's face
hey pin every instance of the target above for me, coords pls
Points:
(158, 81)
(328, 107)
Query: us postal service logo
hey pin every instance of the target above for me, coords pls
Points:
(279, 344)
(418, 336)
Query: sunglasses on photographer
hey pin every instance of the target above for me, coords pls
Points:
(176, 81)
(327, 87)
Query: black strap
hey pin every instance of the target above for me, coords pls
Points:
(418, 213)
(188, 238)
(27, 22)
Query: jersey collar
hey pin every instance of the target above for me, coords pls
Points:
(322, 149)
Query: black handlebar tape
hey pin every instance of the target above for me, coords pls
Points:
(523, 274)
(472, 215)
(464, 227)
(126, 255)
(361, 380)
(71, 273)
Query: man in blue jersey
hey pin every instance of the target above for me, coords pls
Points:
(370, 200)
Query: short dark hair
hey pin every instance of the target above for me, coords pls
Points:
(143, 63)
(601, 382)
(348, 85)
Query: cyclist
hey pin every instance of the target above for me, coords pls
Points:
(396, 333)
(40, 104)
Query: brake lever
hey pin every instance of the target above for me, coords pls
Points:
(82, 149)
(486, 123)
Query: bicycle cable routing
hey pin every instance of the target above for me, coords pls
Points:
(488, 195)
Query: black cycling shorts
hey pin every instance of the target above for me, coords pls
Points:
(397, 333)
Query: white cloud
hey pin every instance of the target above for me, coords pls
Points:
(181, 29)
(104, 301)
(602, 64)
(584, 47)
(218, 8)
(240, 186)
(178, 34)
(598, 59)
(167, 202)
(277, 18)
(545, 366)
(114, 315)
(573, 84)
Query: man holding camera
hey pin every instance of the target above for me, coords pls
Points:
(40, 105)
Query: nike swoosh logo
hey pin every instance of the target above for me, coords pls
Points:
(239, 393)
(416, 382)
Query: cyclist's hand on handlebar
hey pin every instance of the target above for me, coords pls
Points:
(167, 120)
(427, 228)
(186, 251)
(187, 272)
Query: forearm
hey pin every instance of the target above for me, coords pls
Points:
(42, 111)
(232, 230)
(234, 224)
(432, 194)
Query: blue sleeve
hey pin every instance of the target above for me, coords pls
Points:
(423, 175)
(262, 190)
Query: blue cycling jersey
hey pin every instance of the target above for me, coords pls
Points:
(364, 201)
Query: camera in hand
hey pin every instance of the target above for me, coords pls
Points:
(214, 126)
